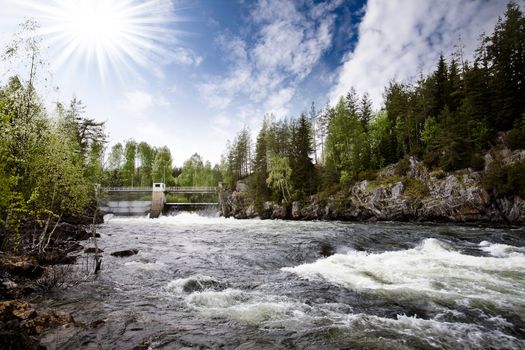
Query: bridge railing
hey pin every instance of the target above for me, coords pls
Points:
(173, 189)
(127, 189)
(188, 189)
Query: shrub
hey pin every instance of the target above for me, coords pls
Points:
(416, 189)
(516, 138)
(369, 174)
(477, 162)
(403, 166)
(505, 180)
(438, 174)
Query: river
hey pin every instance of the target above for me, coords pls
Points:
(204, 282)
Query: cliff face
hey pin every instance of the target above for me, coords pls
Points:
(420, 195)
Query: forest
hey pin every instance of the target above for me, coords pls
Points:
(449, 119)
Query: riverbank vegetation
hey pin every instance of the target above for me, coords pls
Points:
(449, 119)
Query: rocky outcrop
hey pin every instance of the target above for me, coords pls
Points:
(21, 322)
(421, 195)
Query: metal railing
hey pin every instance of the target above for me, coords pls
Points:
(181, 189)
(127, 189)
(173, 189)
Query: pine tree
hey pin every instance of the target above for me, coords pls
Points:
(300, 160)
(365, 111)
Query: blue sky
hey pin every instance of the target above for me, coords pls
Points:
(204, 69)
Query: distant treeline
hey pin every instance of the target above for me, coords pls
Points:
(139, 164)
(448, 119)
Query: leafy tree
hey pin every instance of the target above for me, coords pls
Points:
(279, 176)
(146, 156)
(162, 166)
(128, 170)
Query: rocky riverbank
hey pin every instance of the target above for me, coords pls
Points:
(27, 275)
(417, 195)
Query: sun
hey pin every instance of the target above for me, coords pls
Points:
(111, 35)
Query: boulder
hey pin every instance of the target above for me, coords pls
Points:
(267, 210)
(279, 212)
(397, 190)
(21, 266)
(125, 253)
(251, 212)
(296, 210)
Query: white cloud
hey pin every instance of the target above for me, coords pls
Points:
(185, 56)
(401, 39)
(138, 102)
(287, 45)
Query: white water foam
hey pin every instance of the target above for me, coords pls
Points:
(433, 267)
(180, 219)
(501, 250)
(445, 335)
(248, 307)
(178, 284)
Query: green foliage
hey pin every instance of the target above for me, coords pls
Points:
(516, 137)
(195, 172)
(505, 180)
(416, 189)
(403, 166)
(279, 176)
(162, 167)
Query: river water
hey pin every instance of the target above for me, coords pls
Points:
(201, 282)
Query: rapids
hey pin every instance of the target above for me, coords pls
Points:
(208, 282)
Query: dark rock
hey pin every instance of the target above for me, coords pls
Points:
(194, 285)
(56, 257)
(92, 250)
(124, 253)
(22, 266)
(326, 249)
(97, 323)
(66, 231)
(13, 339)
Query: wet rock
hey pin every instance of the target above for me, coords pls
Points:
(92, 250)
(27, 320)
(97, 323)
(56, 257)
(125, 253)
(11, 338)
(22, 266)
(326, 249)
(66, 231)
(194, 285)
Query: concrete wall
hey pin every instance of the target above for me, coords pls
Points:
(126, 208)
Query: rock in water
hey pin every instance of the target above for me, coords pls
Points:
(124, 253)
(92, 250)
(326, 249)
